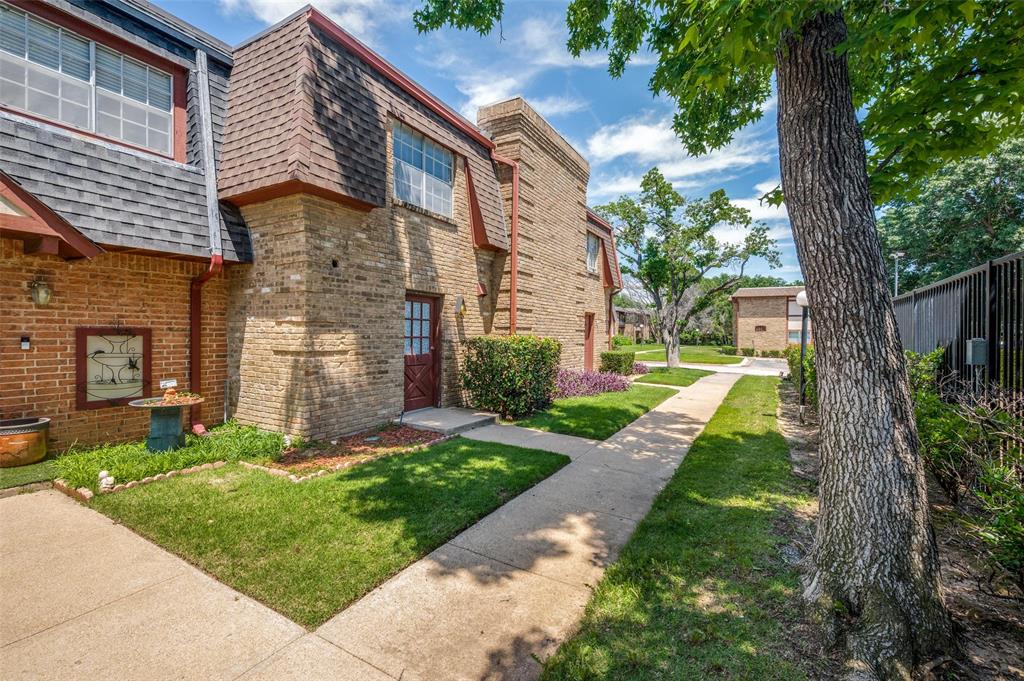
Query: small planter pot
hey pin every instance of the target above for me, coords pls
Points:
(23, 441)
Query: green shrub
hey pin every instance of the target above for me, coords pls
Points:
(748, 352)
(729, 350)
(771, 353)
(1000, 490)
(792, 355)
(511, 375)
(619, 341)
(618, 362)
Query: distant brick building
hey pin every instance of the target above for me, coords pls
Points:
(293, 218)
(767, 318)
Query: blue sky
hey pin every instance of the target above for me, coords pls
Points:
(617, 124)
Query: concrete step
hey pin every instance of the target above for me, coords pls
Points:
(447, 420)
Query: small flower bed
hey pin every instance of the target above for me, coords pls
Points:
(354, 449)
(582, 383)
(639, 369)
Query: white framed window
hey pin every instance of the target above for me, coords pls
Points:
(593, 251)
(50, 72)
(794, 338)
(423, 171)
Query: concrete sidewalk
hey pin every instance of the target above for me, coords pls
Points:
(83, 597)
(506, 592)
(752, 366)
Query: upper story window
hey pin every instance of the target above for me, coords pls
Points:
(593, 251)
(52, 73)
(423, 171)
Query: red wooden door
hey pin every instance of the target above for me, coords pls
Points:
(588, 341)
(421, 352)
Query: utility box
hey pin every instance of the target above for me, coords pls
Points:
(976, 353)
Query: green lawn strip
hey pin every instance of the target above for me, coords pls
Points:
(691, 354)
(643, 347)
(309, 549)
(132, 461)
(700, 591)
(678, 376)
(23, 475)
(598, 417)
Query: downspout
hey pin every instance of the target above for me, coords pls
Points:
(195, 300)
(513, 241)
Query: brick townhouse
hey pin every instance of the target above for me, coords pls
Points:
(292, 227)
(767, 317)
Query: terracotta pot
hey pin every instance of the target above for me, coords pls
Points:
(23, 441)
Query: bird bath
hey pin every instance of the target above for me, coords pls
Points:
(165, 432)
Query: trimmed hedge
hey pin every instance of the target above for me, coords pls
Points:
(729, 350)
(748, 352)
(511, 375)
(618, 362)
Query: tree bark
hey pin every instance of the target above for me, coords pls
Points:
(670, 333)
(874, 568)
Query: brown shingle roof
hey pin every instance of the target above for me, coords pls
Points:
(767, 292)
(304, 108)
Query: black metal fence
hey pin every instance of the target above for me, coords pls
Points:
(985, 303)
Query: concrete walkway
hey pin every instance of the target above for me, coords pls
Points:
(82, 597)
(752, 366)
(506, 592)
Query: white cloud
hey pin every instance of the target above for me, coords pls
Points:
(652, 140)
(763, 188)
(482, 90)
(557, 105)
(358, 17)
(541, 42)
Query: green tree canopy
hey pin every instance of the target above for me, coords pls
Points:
(967, 212)
(935, 80)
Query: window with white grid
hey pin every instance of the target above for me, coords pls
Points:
(52, 73)
(423, 171)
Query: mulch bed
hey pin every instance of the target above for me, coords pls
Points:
(354, 449)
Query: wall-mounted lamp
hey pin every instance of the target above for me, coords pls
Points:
(460, 306)
(40, 293)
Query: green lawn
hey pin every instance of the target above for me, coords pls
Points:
(309, 549)
(23, 475)
(700, 590)
(598, 417)
(132, 461)
(678, 376)
(690, 354)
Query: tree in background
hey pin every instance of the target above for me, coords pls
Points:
(967, 212)
(935, 81)
(666, 244)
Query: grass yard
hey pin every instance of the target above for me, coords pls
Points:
(23, 475)
(700, 590)
(132, 461)
(690, 354)
(678, 376)
(598, 417)
(309, 549)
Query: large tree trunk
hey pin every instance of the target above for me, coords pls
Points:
(874, 567)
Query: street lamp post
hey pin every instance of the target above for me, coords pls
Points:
(896, 272)
(801, 300)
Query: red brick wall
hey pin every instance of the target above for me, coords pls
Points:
(111, 289)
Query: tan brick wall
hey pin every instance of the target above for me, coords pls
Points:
(555, 291)
(316, 323)
(110, 289)
(769, 312)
